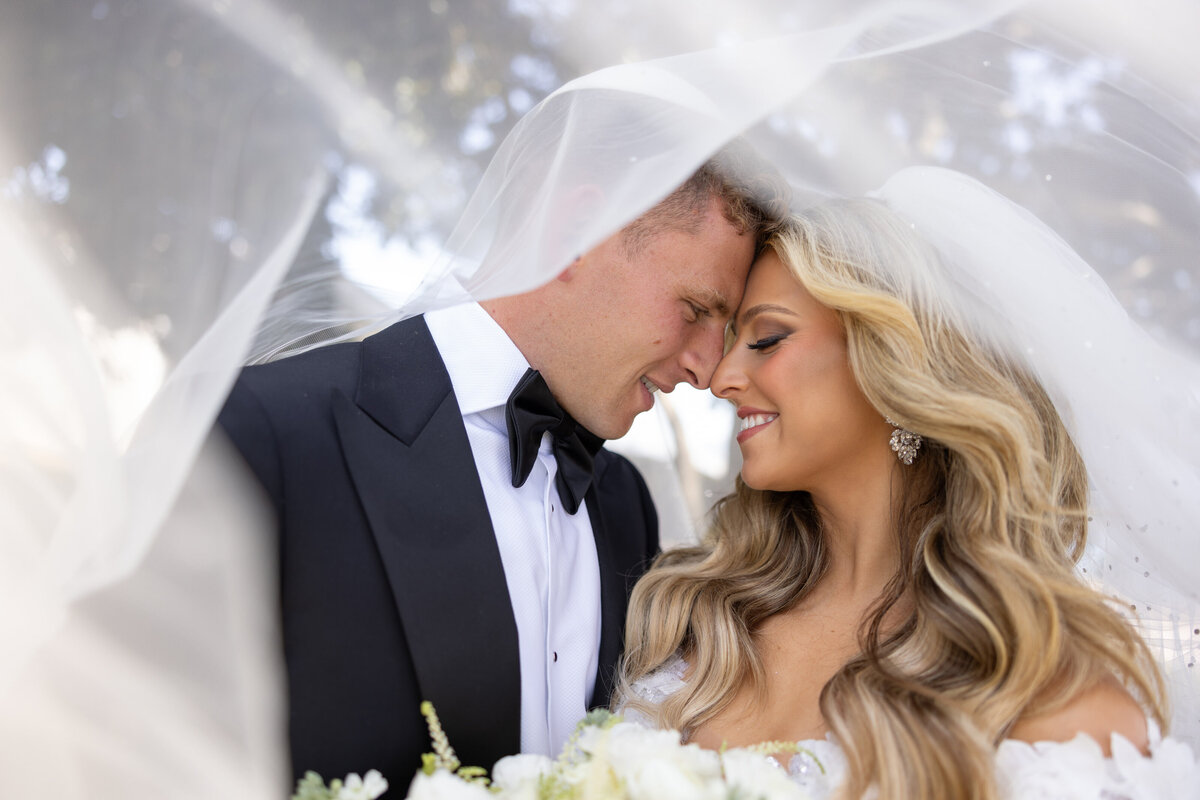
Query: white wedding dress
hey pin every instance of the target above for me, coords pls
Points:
(1074, 770)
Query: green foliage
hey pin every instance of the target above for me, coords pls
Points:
(443, 755)
(600, 718)
(312, 787)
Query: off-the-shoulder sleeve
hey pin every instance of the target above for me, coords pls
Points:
(1078, 770)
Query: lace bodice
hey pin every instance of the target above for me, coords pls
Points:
(1074, 770)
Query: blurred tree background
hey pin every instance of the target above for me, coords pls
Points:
(124, 102)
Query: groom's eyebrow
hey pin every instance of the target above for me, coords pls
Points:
(713, 300)
(762, 308)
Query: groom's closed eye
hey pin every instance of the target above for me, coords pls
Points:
(711, 302)
(696, 312)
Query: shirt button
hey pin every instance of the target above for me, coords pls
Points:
(555, 656)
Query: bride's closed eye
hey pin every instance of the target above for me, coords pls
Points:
(767, 341)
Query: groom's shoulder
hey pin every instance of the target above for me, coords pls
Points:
(623, 493)
(336, 366)
(617, 475)
(331, 366)
(324, 365)
(614, 466)
(287, 400)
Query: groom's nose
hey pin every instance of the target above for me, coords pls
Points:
(701, 356)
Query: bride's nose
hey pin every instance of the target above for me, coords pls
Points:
(728, 378)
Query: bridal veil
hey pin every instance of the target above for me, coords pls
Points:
(189, 185)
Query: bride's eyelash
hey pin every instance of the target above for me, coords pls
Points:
(767, 341)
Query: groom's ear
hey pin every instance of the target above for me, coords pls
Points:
(569, 272)
(579, 207)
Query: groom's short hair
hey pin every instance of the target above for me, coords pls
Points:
(753, 196)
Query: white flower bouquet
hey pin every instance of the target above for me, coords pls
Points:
(608, 759)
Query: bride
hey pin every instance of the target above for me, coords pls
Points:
(896, 568)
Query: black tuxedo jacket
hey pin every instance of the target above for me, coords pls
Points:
(392, 587)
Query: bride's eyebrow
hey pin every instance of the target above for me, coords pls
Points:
(762, 308)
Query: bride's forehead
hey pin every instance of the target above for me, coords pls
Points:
(770, 275)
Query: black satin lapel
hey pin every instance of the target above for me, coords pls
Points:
(612, 604)
(428, 514)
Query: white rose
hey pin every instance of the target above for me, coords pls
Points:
(368, 787)
(757, 775)
(443, 785)
(518, 776)
(629, 744)
(591, 779)
(653, 763)
(653, 780)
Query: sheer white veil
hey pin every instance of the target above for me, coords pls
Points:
(186, 186)
(1132, 405)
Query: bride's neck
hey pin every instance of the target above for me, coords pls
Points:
(859, 527)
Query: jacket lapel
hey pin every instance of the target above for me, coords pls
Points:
(409, 457)
(612, 601)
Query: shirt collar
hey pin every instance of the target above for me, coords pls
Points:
(483, 363)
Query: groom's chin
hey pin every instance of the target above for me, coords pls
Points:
(615, 429)
(614, 424)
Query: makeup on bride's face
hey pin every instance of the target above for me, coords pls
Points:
(802, 418)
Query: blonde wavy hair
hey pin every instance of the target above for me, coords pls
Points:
(991, 522)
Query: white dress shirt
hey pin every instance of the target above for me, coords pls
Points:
(549, 556)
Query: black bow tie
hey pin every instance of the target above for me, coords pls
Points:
(531, 411)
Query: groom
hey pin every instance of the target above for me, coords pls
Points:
(439, 541)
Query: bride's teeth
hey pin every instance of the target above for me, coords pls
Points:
(649, 384)
(756, 419)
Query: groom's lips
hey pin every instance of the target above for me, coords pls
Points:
(649, 388)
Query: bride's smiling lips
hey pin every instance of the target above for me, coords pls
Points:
(753, 420)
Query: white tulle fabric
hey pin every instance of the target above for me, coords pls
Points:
(1073, 770)
(1131, 404)
(143, 264)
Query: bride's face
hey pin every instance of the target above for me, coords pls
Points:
(805, 424)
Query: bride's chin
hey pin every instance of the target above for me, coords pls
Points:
(766, 481)
(755, 481)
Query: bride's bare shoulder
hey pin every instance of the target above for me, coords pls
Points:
(1099, 711)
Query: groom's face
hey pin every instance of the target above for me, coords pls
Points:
(650, 314)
